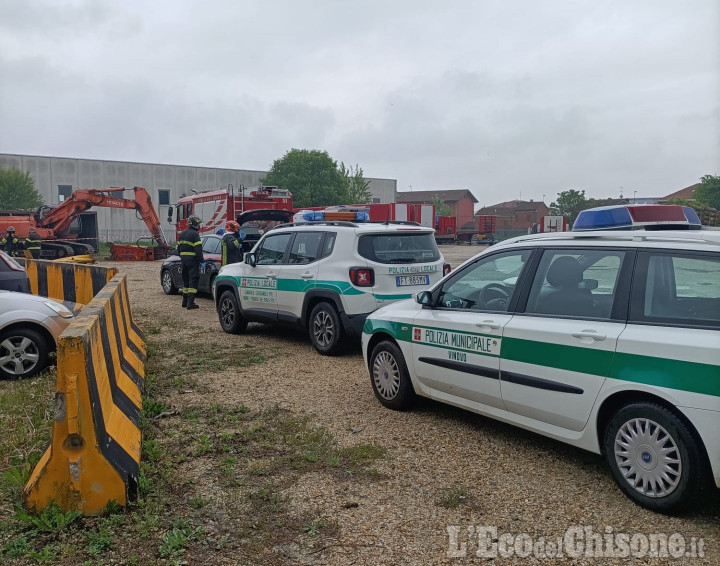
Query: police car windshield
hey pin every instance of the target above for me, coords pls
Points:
(399, 248)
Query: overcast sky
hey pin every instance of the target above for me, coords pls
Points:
(509, 98)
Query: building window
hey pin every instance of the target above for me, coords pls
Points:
(64, 192)
(375, 200)
(164, 196)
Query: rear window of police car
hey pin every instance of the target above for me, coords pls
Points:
(399, 248)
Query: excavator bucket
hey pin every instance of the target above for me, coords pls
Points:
(131, 252)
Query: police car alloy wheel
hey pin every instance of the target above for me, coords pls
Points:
(23, 353)
(229, 314)
(325, 329)
(653, 457)
(389, 377)
(167, 283)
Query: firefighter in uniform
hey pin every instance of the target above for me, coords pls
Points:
(231, 244)
(32, 243)
(191, 256)
(10, 243)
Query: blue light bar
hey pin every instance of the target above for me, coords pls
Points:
(643, 216)
(692, 216)
(603, 218)
(319, 215)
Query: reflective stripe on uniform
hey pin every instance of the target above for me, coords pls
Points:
(198, 243)
(189, 291)
(188, 253)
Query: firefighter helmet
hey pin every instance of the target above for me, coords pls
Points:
(232, 226)
(194, 222)
(10, 229)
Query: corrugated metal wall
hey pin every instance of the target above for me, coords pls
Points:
(122, 225)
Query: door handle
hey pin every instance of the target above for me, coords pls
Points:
(306, 275)
(593, 335)
(491, 324)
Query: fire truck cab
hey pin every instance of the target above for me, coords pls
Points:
(217, 207)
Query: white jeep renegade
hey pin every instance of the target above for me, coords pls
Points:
(327, 277)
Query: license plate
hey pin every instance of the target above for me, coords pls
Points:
(405, 280)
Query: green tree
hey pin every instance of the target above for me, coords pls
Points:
(568, 204)
(17, 190)
(708, 193)
(441, 207)
(357, 187)
(312, 176)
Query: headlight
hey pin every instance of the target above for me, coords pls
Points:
(61, 310)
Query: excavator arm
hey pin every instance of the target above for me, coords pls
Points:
(61, 217)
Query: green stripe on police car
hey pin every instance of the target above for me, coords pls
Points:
(660, 372)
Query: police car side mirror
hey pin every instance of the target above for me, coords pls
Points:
(250, 259)
(424, 298)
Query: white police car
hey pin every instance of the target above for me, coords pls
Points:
(606, 340)
(327, 276)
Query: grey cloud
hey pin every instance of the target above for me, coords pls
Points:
(497, 96)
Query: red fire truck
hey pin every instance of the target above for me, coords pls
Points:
(216, 207)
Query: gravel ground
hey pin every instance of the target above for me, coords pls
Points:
(445, 467)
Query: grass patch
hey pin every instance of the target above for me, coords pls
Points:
(206, 356)
(230, 467)
(454, 496)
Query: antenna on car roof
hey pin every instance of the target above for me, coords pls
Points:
(387, 222)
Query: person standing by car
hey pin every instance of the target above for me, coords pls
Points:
(10, 243)
(191, 256)
(231, 246)
(33, 243)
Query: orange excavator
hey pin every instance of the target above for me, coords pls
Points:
(55, 225)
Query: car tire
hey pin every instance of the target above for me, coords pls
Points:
(229, 315)
(167, 282)
(325, 329)
(23, 353)
(642, 437)
(390, 378)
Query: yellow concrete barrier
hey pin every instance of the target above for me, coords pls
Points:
(71, 283)
(94, 455)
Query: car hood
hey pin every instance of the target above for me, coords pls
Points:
(9, 300)
(397, 308)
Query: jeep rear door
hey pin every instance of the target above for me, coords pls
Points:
(404, 262)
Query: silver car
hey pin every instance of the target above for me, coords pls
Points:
(29, 328)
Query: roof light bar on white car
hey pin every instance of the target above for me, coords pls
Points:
(634, 217)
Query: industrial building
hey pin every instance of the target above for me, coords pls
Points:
(56, 178)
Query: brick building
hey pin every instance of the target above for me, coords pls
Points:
(461, 201)
(688, 193)
(514, 217)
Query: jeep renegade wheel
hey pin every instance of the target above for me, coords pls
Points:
(325, 329)
(231, 319)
